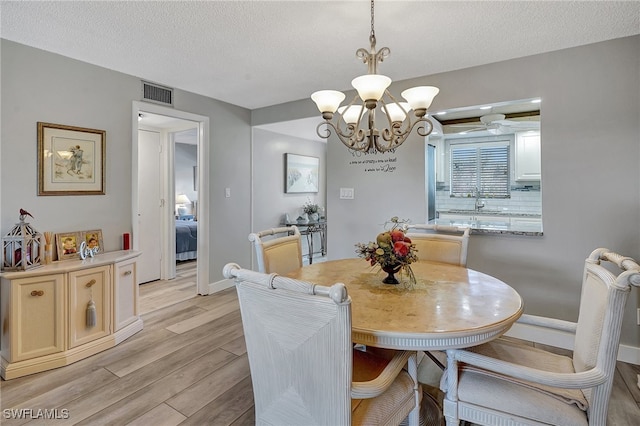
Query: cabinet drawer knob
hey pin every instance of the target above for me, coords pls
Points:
(127, 272)
(90, 283)
(37, 293)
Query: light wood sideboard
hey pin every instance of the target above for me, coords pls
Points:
(43, 311)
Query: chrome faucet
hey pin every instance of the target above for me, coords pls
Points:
(479, 203)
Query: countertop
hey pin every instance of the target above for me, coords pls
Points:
(493, 226)
(482, 212)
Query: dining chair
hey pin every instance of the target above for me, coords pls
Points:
(280, 252)
(507, 382)
(440, 243)
(304, 368)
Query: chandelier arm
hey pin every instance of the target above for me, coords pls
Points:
(397, 139)
(423, 130)
(352, 139)
(326, 133)
(392, 144)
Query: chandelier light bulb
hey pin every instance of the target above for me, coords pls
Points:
(351, 114)
(327, 101)
(395, 110)
(371, 86)
(420, 97)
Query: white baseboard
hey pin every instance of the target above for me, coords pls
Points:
(560, 339)
(220, 285)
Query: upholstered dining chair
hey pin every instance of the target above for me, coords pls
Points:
(304, 368)
(445, 244)
(510, 383)
(440, 243)
(280, 252)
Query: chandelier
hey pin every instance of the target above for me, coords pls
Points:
(373, 95)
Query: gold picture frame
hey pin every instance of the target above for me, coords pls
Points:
(71, 160)
(92, 240)
(68, 245)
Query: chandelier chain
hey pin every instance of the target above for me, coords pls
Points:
(373, 31)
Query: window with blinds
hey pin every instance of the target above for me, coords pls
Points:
(478, 168)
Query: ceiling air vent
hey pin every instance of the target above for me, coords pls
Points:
(158, 94)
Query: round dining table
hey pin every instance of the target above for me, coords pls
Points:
(448, 307)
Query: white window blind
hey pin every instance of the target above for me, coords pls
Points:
(482, 169)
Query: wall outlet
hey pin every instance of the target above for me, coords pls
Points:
(227, 192)
(638, 316)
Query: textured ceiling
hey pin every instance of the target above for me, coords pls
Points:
(260, 53)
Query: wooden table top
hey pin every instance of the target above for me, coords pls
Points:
(449, 306)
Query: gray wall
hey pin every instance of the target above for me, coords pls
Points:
(590, 178)
(41, 86)
(270, 201)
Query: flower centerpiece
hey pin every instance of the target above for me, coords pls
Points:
(311, 209)
(392, 250)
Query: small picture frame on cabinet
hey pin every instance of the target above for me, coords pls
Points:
(68, 245)
(92, 240)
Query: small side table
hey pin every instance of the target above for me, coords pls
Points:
(308, 229)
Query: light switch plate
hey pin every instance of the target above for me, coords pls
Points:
(227, 192)
(346, 194)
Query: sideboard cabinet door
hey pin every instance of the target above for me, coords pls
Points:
(37, 315)
(88, 285)
(125, 288)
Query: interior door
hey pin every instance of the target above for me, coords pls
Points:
(149, 206)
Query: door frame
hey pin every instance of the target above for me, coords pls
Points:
(168, 195)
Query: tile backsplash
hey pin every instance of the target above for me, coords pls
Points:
(521, 201)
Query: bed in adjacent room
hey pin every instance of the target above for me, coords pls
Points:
(186, 239)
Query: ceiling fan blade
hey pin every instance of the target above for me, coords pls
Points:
(476, 129)
(519, 124)
(466, 125)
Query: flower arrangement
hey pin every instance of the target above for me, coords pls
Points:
(310, 208)
(392, 250)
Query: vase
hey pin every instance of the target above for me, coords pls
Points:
(391, 270)
(314, 217)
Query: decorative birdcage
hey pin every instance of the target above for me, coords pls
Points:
(21, 247)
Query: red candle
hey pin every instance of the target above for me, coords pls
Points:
(126, 244)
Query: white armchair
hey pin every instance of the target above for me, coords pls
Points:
(304, 368)
(281, 252)
(440, 243)
(508, 383)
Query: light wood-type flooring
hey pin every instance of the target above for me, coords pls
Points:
(187, 366)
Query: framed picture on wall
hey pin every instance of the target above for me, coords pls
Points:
(301, 173)
(71, 160)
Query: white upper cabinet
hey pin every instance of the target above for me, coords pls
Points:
(527, 156)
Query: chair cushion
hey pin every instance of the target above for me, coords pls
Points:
(484, 388)
(438, 250)
(488, 391)
(391, 407)
(283, 257)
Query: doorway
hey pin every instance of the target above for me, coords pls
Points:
(164, 124)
